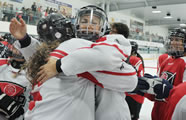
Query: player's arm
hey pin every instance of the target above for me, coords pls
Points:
(77, 62)
(124, 80)
(25, 43)
(112, 72)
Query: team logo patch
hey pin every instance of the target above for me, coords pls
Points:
(11, 89)
(168, 76)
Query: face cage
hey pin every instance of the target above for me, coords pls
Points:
(94, 34)
(175, 50)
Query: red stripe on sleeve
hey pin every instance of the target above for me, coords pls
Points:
(90, 77)
(116, 73)
(62, 52)
(114, 45)
(56, 55)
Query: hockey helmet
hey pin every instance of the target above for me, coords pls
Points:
(134, 47)
(55, 27)
(176, 44)
(91, 23)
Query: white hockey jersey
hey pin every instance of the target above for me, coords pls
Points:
(72, 96)
(115, 75)
(14, 86)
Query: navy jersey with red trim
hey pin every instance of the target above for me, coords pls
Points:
(137, 63)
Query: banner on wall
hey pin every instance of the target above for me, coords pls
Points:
(19, 1)
(64, 8)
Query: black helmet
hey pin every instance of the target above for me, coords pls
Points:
(176, 44)
(55, 27)
(99, 28)
(134, 47)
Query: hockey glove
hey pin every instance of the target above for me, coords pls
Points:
(162, 89)
(149, 76)
(141, 86)
(146, 84)
(11, 108)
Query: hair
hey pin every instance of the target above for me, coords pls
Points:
(38, 59)
(135, 53)
(124, 30)
(121, 29)
(138, 55)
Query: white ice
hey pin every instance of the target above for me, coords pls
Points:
(145, 113)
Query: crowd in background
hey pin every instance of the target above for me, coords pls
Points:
(35, 12)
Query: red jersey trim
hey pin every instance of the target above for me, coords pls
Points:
(56, 55)
(116, 73)
(4, 61)
(90, 77)
(61, 52)
(101, 39)
(114, 45)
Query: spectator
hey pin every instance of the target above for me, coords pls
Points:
(34, 8)
(50, 11)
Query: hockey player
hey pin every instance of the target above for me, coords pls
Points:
(171, 70)
(134, 100)
(176, 109)
(88, 27)
(80, 89)
(172, 67)
(14, 86)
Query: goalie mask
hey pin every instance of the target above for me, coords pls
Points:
(91, 23)
(176, 45)
(55, 27)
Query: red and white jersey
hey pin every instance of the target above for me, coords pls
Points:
(14, 86)
(107, 57)
(110, 104)
(176, 103)
(72, 96)
(137, 63)
(172, 70)
(113, 75)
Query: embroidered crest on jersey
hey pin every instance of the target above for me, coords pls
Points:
(168, 76)
(11, 89)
